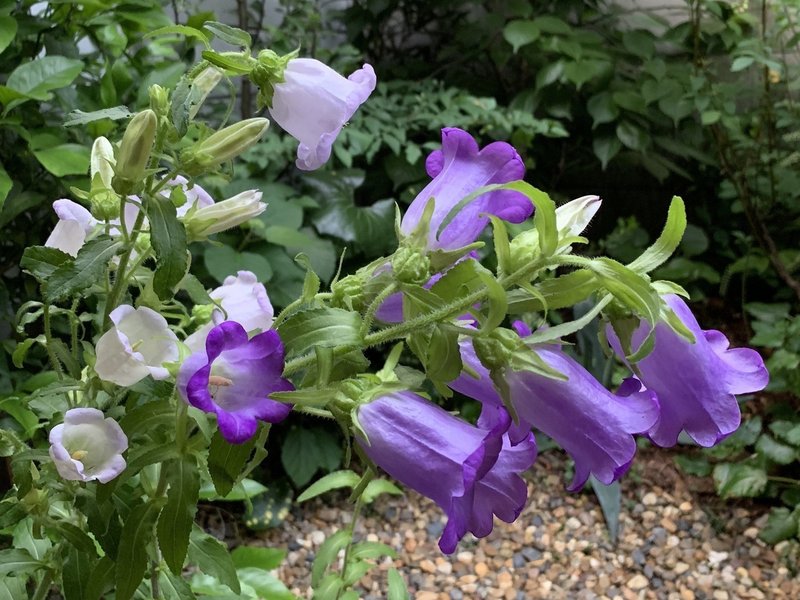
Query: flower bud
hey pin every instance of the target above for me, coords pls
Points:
(348, 292)
(223, 215)
(104, 202)
(410, 265)
(223, 145)
(134, 152)
(204, 83)
(159, 100)
(102, 161)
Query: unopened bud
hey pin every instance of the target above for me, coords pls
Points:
(202, 86)
(134, 152)
(220, 216)
(102, 161)
(223, 145)
(410, 265)
(201, 313)
(159, 100)
(348, 292)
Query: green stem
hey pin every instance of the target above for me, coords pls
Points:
(48, 336)
(121, 279)
(181, 424)
(351, 528)
(779, 479)
(44, 586)
(369, 315)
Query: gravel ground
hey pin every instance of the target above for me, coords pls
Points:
(675, 542)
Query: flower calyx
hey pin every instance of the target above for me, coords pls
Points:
(268, 73)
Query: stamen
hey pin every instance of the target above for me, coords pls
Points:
(219, 381)
(79, 454)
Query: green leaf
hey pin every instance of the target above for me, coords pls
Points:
(559, 292)
(76, 536)
(64, 159)
(115, 113)
(639, 43)
(265, 584)
(698, 466)
(226, 460)
(5, 186)
(168, 237)
(370, 228)
(605, 148)
(627, 286)
(75, 575)
(305, 451)
(184, 30)
(243, 490)
(331, 481)
(739, 480)
(257, 557)
(147, 417)
(775, 451)
(326, 327)
(177, 517)
(234, 64)
(8, 29)
(37, 78)
(222, 261)
(520, 33)
(782, 524)
(100, 579)
(610, 498)
(397, 587)
(740, 63)
(87, 269)
(231, 35)
(788, 431)
(376, 487)
(17, 561)
(326, 554)
(632, 136)
(132, 554)
(173, 587)
(212, 557)
(667, 242)
(602, 109)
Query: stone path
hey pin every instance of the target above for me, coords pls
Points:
(674, 543)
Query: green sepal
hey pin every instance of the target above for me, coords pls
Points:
(667, 242)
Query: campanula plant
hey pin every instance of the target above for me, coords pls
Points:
(158, 386)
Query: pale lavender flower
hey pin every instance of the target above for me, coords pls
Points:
(244, 300)
(75, 223)
(233, 377)
(471, 472)
(314, 102)
(138, 345)
(459, 169)
(87, 446)
(695, 383)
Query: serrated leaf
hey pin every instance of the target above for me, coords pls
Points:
(226, 460)
(331, 481)
(782, 524)
(115, 113)
(775, 451)
(42, 262)
(231, 35)
(327, 327)
(739, 480)
(212, 557)
(177, 517)
(87, 269)
(137, 532)
(173, 587)
(667, 242)
(168, 237)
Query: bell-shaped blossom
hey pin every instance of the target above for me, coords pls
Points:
(87, 446)
(314, 102)
(138, 345)
(471, 472)
(244, 300)
(219, 216)
(75, 223)
(459, 169)
(695, 382)
(233, 376)
(594, 426)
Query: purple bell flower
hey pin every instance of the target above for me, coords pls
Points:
(471, 472)
(695, 383)
(314, 102)
(594, 426)
(459, 169)
(233, 377)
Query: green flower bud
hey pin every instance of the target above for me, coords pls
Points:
(142, 244)
(496, 350)
(268, 73)
(223, 145)
(159, 100)
(134, 152)
(411, 265)
(201, 313)
(348, 292)
(104, 204)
